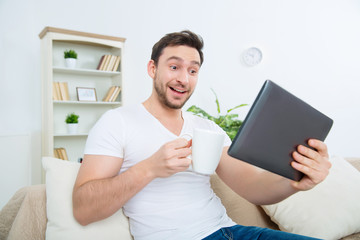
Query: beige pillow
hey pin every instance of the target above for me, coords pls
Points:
(60, 179)
(330, 211)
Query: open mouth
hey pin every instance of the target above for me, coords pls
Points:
(177, 90)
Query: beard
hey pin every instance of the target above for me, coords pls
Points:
(161, 92)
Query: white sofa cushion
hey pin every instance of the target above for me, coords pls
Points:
(60, 179)
(329, 211)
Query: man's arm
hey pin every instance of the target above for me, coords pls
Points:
(262, 187)
(99, 190)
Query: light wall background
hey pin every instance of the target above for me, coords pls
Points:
(310, 47)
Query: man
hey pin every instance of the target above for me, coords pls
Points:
(135, 159)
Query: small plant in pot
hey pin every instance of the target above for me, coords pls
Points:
(72, 121)
(70, 58)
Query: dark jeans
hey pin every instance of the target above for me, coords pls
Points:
(238, 232)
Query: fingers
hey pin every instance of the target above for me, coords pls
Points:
(177, 148)
(190, 143)
(307, 153)
(179, 143)
(303, 162)
(305, 165)
(172, 157)
(182, 151)
(318, 154)
(175, 165)
(313, 163)
(319, 146)
(179, 164)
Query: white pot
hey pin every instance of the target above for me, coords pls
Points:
(72, 128)
(70, 62)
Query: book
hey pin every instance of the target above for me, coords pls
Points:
(111, 63)
(56, 96)
(64, 90)
(60, 153)
(64, 154)
(109, 94)
(56, 154)
(56, 92)
(117, 64)
(100, 62)
(115, 94)
(104, 58)
(106, 63)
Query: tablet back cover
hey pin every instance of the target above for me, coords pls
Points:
(276, 124)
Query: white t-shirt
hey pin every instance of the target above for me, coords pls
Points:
(182, 206)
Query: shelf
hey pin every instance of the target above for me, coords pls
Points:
(80, 71)
(87, 103)
(90, 49)
(71, 135)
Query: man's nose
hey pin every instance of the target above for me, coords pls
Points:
(183, 77)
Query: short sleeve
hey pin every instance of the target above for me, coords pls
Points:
(106, 136)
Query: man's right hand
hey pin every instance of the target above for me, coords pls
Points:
(171, 158)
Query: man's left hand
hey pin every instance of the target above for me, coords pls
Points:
(314, 164)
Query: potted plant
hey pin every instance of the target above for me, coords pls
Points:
(228, 122)
(70, 58)
(72, 121)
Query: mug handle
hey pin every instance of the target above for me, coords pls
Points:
(187, 136)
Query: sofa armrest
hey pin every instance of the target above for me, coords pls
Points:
(355, 162)
(26, 214)
(9, 211)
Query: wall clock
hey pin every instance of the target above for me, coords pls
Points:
(252, 56)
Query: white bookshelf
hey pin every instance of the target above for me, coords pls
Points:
(90, 48)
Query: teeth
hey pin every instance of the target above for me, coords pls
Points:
(180, 91)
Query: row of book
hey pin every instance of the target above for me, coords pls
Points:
(109, 63)
(60, 91)
(112, 94)
(60, 153)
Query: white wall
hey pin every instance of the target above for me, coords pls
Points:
(310, 47)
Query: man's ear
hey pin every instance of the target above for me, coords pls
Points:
(151, 68)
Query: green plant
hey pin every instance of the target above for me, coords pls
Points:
(72, 118)
(70, 54)
(228, 122)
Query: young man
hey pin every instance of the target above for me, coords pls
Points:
(135, 159)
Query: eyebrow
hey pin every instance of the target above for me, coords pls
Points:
(182, 60)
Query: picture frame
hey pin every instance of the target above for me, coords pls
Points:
(86, 94)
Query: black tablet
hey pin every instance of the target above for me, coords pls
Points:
(276, 124)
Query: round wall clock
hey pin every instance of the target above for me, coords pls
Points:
(252, 56)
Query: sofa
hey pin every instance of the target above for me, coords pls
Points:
(26, 216)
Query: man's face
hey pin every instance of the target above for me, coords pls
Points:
(176, 75)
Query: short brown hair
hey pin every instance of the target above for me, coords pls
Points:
(185, 37)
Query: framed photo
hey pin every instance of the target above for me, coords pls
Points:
(86, 94)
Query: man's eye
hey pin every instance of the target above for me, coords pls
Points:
(193, 71)
(173, 67)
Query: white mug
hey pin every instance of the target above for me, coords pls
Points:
(207, 148)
